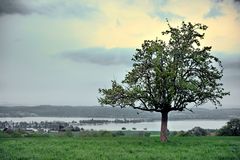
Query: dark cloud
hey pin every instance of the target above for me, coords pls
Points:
(13, 7)
(220, 1)
(235, 3)
(231, 77)
(50, 8)
(101, 56)
(230, 62)
(234, 64)
(231, 72)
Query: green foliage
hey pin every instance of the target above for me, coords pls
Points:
(120, 148)
(68, 133)
(4, 135)
(21, 133)
(182, 134)
(231, 129)
(197, 131)
(106, 134)
(144, 134)
(95, 134)
(169, 75)
(118, 133)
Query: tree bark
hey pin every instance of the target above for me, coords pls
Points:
(163, 133)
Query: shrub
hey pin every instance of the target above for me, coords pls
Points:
(4, 135)
(68, 133)
(231, 129)
(105, 133)
(86, 133)
(141, 133)
(14, 133)
(91, 133)
(36, 135)
(147, 134)
(173, 133)
(197, 131)
(118, 133)
(182, 134)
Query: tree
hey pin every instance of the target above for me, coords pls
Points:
(167, 76)
(231, 129)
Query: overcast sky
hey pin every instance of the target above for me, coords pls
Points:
(60, 52)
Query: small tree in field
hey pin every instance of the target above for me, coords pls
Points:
(169, 76)
(231, 129)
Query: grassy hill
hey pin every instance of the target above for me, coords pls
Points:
(120, 148)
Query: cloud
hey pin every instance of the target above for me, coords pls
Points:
(101, 56)
(232, 64)
(14, 7)
(237, 6)
(237, 1)
(67, 8)
(231, 72)
(48, 8)
(214, 12)
(221, 1)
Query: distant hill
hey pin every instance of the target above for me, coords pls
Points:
(109, 112)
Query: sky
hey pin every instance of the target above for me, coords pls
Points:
(59, 52)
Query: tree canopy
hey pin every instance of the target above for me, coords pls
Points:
(167, 76)
(231, 129)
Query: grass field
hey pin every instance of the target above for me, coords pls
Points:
(116, 148)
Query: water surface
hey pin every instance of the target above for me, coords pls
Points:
(176, 125)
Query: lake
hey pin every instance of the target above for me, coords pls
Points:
(176, 125)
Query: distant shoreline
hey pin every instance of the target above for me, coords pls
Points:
(112, 118)
(110, 112)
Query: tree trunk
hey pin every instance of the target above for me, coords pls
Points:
(163, 134)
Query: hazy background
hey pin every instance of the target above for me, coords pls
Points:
(60, 52)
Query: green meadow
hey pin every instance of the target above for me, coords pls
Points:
(120, 148)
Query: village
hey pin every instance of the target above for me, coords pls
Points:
(57, 126)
